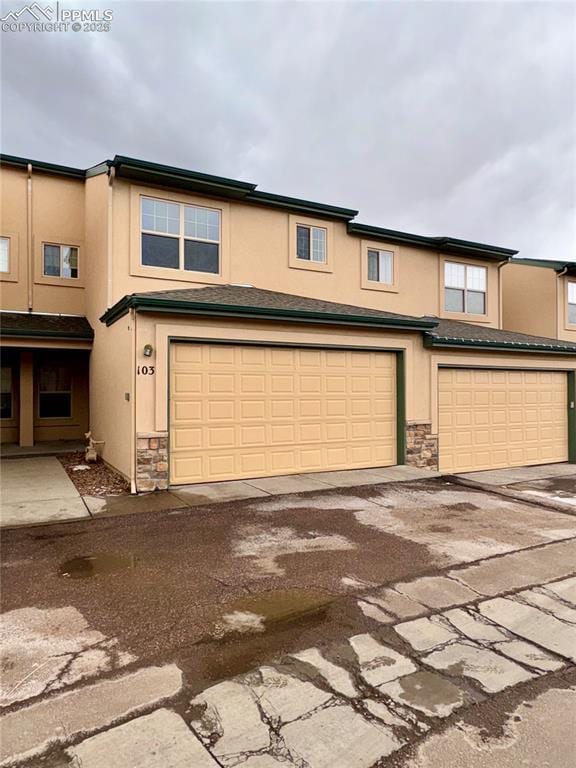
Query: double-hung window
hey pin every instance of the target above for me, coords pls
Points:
(464, 288)
(6, 393)
(60, 261)
(380, 266)
(572, 303)
(55, 392)
(176, 236)
(311, 243)
(4, 254)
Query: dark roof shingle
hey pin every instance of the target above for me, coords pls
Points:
(35, 325)
(247, 299)
(457, 332)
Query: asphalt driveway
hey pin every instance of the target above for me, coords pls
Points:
(142, 610)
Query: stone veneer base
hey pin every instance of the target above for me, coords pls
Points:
(421, 445)
(151, 461)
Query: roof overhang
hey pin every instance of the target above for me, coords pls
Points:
(464, 248)
(559, 266)
(142, 303)
(443, 342)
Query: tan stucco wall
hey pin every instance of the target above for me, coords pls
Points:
(57, 208)
(535, 301)
(112, 392)
(256, 250)
(529, 300)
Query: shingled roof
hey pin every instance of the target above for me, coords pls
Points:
(453, 333)
(36, 326)
(256, 302)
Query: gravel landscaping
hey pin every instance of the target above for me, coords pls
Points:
(94, 478)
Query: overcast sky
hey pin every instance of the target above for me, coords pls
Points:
(437, 118)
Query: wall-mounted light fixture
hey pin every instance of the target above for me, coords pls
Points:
(148, 349)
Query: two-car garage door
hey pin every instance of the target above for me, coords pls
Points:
(501, 418)
(253, 411)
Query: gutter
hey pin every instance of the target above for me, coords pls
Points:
(144, 304)
(432, 342)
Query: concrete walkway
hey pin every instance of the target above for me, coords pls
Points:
(36, 491)
(502, 477)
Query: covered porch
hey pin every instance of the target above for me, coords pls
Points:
(44, 400)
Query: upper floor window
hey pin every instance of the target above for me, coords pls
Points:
(572, 303)
(60, 261)
(311, 243)
(4, 254)
(176, 236)
(380, 266)
(464, 288)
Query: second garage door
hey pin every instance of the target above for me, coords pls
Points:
(252, 411)
(490, 419)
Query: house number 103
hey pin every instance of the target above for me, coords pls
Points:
(145, 370)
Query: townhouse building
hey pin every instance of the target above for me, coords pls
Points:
(205, 330)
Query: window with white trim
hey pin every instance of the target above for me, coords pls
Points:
(4, 254)
(380, 266)
(311, 243)
(572, 303)
(6, 393)
(177, 236)
(465, 288)
(54, 392)
(60, 261)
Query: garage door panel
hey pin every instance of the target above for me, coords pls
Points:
(247, 412)
(501, 418)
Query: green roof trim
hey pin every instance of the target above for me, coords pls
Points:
(447, 244)
(555, 264)
(141, 170)
(305, 206)
(57, 170)
(434, 341)
(143, 303)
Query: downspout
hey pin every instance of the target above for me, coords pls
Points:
(500, 265)
(109, 241)
(30, 250)
(134, 440)
(561, 307)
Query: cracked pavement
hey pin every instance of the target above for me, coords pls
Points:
(320, 630)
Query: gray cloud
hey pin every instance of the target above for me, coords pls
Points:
(440, 118)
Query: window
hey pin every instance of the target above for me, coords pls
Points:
(6, 393)
(55, 392)
(4, 255)
(572, 303)
(311, 244)
(464, 288)
(176, 236)
(60, 261)
(380, 266)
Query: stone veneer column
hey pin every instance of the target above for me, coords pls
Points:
(151, 461)
(421, 445)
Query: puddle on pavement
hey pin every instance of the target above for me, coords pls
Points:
(292, 618)
(91, 565)
(429, 692)
(283, 606)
